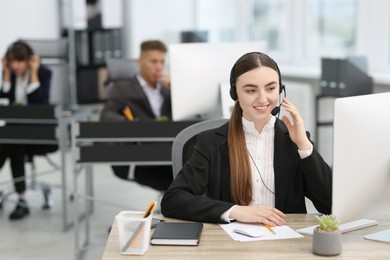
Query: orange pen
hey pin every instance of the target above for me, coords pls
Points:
(128, 114)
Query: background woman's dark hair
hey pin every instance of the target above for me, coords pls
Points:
(19, 51)
(240, 170)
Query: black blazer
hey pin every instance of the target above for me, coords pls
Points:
(201, 191)
(38, 96)
(130, 93)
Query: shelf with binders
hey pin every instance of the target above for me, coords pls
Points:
(93, 47)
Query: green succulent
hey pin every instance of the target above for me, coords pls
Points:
(328, 223)
(162, 118)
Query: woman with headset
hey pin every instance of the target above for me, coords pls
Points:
(255, 168)
(25, 81)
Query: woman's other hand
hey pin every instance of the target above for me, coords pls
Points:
(258, 214)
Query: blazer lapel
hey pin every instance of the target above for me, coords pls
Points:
(225, 192)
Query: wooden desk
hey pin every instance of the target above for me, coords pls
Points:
(216, 244)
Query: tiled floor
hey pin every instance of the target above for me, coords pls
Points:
(40, 235)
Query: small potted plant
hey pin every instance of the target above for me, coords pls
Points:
(327, 236)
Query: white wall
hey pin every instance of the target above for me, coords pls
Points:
(156, 19)
(27, 19)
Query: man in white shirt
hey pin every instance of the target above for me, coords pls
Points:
(145, 97)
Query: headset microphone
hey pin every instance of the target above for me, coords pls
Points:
(276, 110)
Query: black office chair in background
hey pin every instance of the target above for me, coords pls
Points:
(120, 69)
(183, 145)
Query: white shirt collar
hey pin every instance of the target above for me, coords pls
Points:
(249, 126)
(145, 85)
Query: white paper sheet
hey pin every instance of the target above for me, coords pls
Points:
(282, 232)
(382, 236)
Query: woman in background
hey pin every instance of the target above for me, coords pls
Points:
(255, 168)
(25, 81)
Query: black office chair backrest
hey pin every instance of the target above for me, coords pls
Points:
(120, 69)
(54, 54)
(183, 145)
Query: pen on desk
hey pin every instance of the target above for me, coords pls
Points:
(133, 241)
(128, 114)
(270, 229)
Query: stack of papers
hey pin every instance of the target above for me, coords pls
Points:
(281, 232)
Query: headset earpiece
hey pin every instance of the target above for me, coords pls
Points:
(282, 88)
(233, 91)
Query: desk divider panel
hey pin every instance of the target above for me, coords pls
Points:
(132, 142)
(28, 112)
(142, 129)
(25, 131)
(142, 154)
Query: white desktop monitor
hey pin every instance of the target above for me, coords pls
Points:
(361, 157)
(197, 70)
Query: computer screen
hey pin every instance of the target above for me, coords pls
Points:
(361, 169)
(197, 70)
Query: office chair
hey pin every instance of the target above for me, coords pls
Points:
(120, 69)
(183, 145)
(54, 54)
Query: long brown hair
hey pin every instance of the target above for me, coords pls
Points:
(240, 170)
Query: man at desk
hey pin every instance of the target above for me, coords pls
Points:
(144, 97)
(25, 81)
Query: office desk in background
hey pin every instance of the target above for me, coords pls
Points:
(116, 143)
(216, 244)
(23, 125)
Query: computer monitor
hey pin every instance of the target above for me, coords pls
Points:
(197, 70)
(361, 169)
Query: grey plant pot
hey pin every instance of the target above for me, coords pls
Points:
(327, 243)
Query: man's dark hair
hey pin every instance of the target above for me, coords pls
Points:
(153, 45)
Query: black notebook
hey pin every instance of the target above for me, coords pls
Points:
(177, 233)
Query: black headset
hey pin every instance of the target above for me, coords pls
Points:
(233, 90)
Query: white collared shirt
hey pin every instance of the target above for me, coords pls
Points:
(261, 158)
(22, 88)
(261, 148)
(154, 96)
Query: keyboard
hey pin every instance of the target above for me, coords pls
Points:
(344, 228)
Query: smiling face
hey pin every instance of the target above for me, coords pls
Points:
(258, 93)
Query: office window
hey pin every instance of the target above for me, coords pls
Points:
(220, 18)
(330, 28)
(270, 22)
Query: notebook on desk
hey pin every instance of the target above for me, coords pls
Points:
(177, 233)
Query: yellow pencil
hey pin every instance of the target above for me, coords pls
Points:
(270, 229)
(150, 209)
(147, 213)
